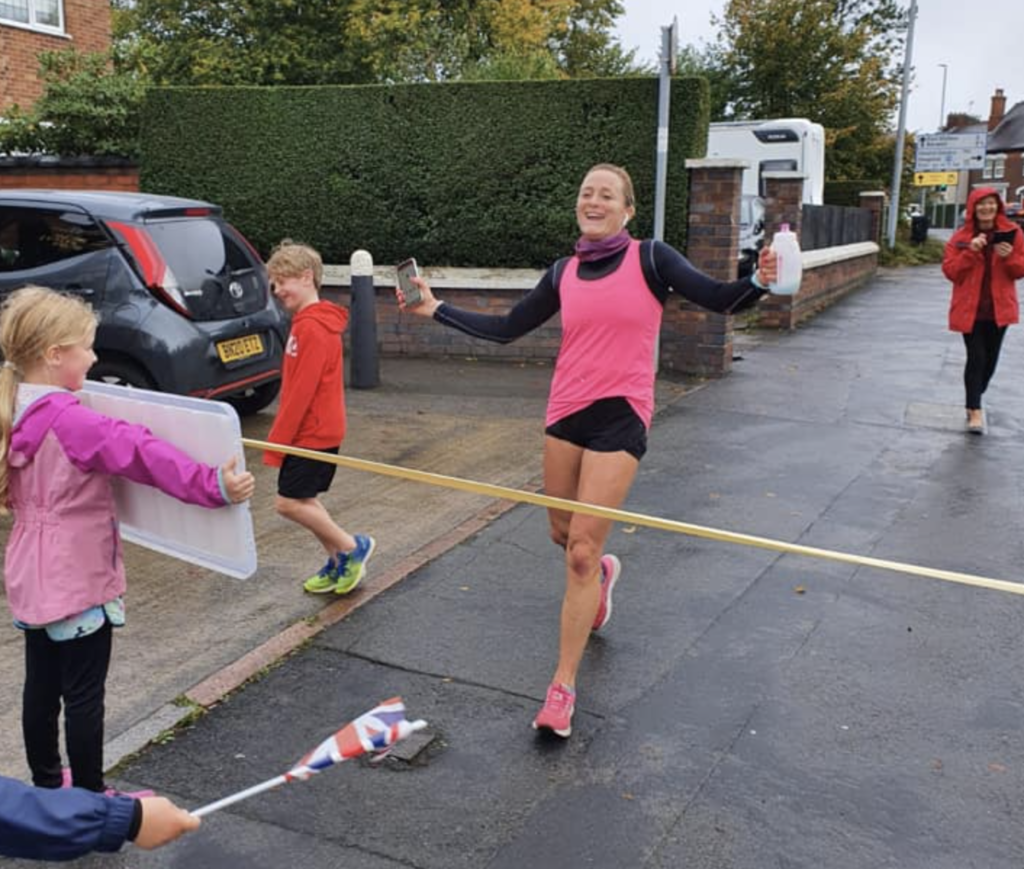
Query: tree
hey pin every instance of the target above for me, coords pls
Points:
(585, 46)
(707, 62)
(258, 42)
(833, 61)
(199, 42)
(87, 107)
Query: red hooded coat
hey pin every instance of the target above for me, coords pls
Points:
(311, 412)
(966, 269)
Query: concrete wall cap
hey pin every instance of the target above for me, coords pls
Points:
(875, 193)
(717, 163)
(441, 278)
(814, 259)
(785, 175)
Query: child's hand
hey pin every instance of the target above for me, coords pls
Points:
(239, 486)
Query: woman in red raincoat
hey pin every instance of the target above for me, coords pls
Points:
(983, 259)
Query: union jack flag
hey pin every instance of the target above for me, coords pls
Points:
(374, 732)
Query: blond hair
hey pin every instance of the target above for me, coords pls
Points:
(291, 258)
(32, 320)
(622, 175)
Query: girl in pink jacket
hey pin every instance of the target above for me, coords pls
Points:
(63, 568)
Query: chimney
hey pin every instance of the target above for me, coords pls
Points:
(998, 109)
(958, 120)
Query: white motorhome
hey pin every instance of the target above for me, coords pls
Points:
(793, 144)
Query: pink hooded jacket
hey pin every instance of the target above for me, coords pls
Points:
(64, 553)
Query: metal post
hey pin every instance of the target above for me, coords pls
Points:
(667, 66)
(364, 368)
(901, 132)
(942, 105)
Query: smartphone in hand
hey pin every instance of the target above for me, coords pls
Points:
(1007, 235)
(410, 292)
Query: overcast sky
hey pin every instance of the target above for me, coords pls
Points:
(982, 42)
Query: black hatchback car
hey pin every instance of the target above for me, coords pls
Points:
(183, 299)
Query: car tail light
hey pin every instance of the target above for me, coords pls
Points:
(156, 273)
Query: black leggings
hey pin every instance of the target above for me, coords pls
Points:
(75, 671)
(983, 344)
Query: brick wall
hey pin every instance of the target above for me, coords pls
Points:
(874, 201)
(829, 274)
(695, 341)
(119, 177)
(86, 28)
(401, 334)
(783, 201)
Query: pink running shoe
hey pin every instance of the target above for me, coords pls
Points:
(135, 795)
(556, 713)
(611, 567)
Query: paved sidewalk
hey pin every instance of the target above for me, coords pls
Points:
(192, 634)
(743, 709)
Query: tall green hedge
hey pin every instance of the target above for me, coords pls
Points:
(457, 174)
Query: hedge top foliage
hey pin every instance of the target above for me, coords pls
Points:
(457, 174)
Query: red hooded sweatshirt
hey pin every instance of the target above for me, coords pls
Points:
(311, 412)
(969, 269)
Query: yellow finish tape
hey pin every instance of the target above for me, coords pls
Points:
(505, 493)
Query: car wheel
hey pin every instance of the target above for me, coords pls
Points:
(121, 374)
(253, 400)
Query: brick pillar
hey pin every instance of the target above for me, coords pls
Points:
(783, 201)
(873, 201)
(693, 340)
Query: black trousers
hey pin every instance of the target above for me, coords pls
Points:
(74, 671)
(983, 345)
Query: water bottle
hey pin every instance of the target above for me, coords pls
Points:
(789, 262)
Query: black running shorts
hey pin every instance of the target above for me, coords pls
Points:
(305, 478)
(609, 425)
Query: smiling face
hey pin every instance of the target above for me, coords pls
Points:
(985, 212)
(70, 363)
(295, 291)
(603, 205)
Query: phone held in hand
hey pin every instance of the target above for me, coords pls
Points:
(406, 272)
(1007, 235)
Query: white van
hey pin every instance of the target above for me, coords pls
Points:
(785, 144)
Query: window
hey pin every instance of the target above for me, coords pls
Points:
(995, 166)
(31, 238)
(44, 14)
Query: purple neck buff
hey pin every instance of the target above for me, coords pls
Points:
(588, 250)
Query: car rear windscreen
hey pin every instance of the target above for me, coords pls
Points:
(216, 275)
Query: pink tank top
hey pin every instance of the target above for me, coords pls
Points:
(609, 330)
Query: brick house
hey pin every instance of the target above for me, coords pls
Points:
(1004, 159)
(28, 27)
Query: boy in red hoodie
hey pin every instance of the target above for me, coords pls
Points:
(311, 414)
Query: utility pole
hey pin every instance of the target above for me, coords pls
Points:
(669, 50)
(901, 130)
(942, 105)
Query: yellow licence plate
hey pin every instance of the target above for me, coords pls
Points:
(240, 348)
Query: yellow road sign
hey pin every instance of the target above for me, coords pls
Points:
(934, 179)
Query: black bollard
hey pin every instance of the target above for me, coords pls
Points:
(364, 369)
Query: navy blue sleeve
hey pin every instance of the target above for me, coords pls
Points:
(533, 310)
(41, 824)
(667, 270)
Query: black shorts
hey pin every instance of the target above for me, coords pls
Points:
(305, 478)
(609, 425)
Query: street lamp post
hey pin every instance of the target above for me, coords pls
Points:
(942, 105)
(901, 129)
